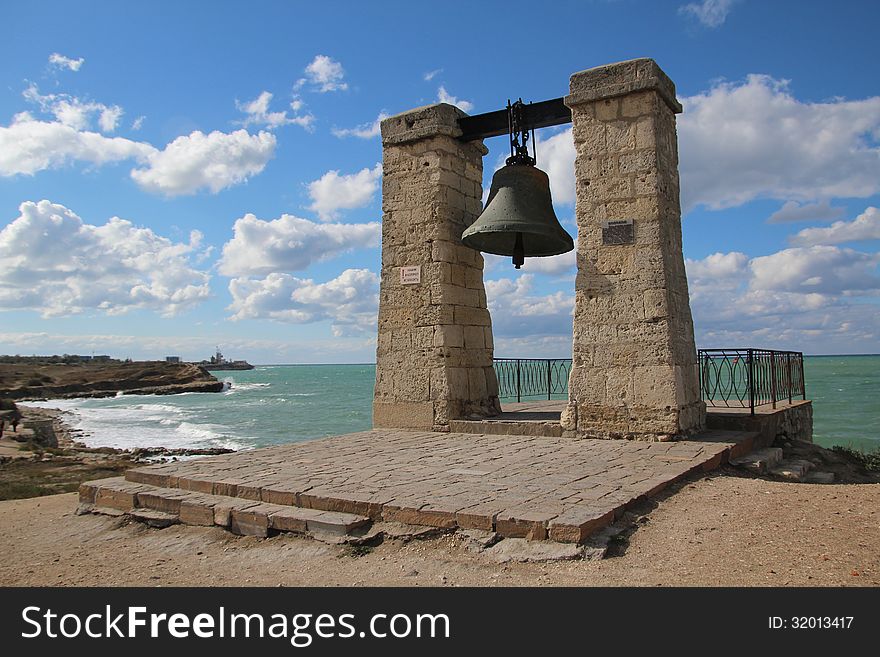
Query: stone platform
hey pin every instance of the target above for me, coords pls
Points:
(518, 486)
(541, 418)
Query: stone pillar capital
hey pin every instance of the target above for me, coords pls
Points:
(620, 79)
(422, 123)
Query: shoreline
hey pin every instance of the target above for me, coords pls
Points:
(68, 437)
(29, 469)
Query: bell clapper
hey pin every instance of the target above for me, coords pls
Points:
(519, 253)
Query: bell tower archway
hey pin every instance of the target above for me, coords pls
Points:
(634, 371)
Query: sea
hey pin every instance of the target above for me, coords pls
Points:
(277, 404)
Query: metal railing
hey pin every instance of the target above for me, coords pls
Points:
(748, 378)
(532, 377)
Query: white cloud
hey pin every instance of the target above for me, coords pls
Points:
(864, 227)
(430, 75)
(350, 301)
(558, 265)
(53, 262)
(555, 156)
(517, 311)
(109, 118)
(257, 113)
(744, 141)
(198, 161)
(444, 96)
(289, 243)
(72, 111)
(794, 211)
(826, 269)
(28, 146)
(325, 74)
(711, 13)
(815, 299)
(333, 192)
(184, 166)
(363, 131)
(138, 123)
(60, 61)
(719, 266)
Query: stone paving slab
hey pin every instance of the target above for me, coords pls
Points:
(533, 487)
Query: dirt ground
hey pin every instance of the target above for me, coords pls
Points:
(718, 530)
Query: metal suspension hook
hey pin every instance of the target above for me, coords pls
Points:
(519, 134)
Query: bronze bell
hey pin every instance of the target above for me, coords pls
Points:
(518, 220)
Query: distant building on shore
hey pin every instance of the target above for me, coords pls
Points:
(66, 359)
(172, 359)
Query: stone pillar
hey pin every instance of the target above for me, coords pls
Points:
(634, 371)
(434, 352)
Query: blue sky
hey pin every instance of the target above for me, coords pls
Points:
(175, 176)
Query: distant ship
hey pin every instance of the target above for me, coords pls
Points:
(219, 362)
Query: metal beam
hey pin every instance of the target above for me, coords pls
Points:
(493, 124)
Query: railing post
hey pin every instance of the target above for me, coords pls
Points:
(803, 380)
(751, 376)
(549, 387)
(518, 391)
(790, 380)
(773, 378)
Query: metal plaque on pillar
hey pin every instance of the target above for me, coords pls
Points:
(618, 231)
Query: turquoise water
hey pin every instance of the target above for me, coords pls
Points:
(287, 403)
(846, 400)
(269, 405)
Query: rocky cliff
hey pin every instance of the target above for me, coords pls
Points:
(59, 381)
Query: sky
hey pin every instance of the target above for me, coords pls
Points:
(177, 176)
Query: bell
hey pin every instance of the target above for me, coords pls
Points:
(518, 219)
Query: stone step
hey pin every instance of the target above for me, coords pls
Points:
(156, 505)
(741, 443)
(760, 461)
(507, 427)
(158, 519)
(793, 469)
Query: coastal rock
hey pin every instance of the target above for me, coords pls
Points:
(36, 380)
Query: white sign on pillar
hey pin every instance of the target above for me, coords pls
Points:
(411, 275)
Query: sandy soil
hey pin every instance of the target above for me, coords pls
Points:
(722, 529)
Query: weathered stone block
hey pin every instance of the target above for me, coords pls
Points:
(196, 512)
(403, 415)
(474, 337)
(523, 523)
(467, 316)
(607, 109)
(576, 524)
(289, 520)
(641, 161)
(124, 500)
(252, 521)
